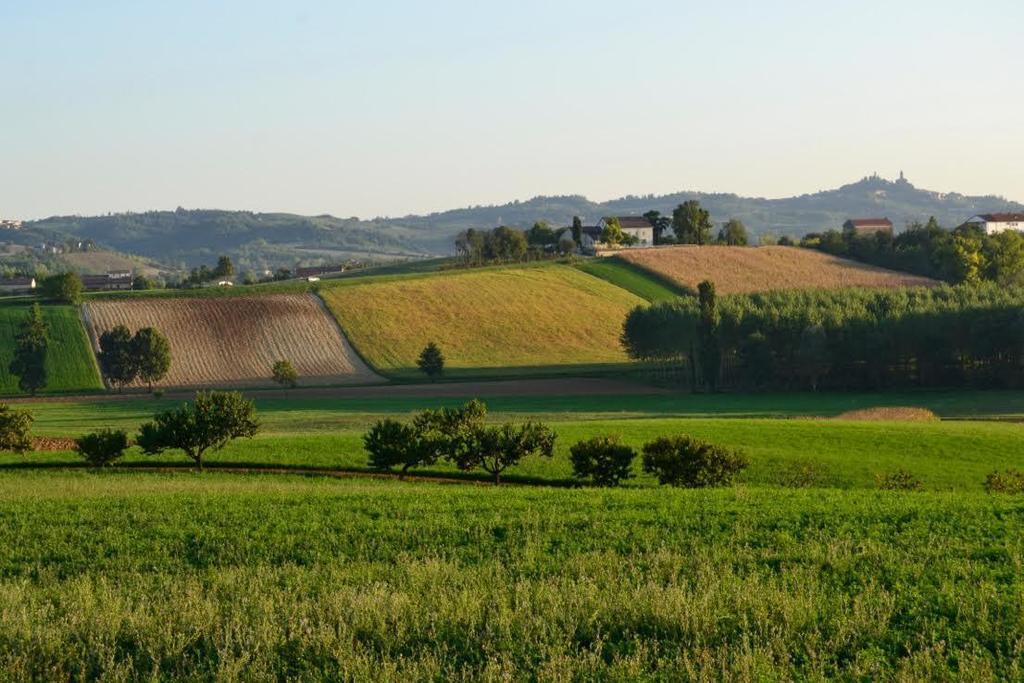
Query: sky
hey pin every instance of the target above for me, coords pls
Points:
(388, 107)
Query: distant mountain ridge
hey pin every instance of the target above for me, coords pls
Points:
(269, 240)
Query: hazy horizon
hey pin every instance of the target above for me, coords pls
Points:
(405, 109)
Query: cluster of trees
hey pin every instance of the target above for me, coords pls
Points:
(458, 435)
(962, 255)
(203, 274)
(505, 244)
(124, 357)
(840, 339)
(208, 423)
(690, 223)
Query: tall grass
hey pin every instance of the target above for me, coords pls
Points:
(126, 577)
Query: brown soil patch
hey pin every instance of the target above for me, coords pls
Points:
(234, 341)
(740, 270)
(889, 414)
(52, 443)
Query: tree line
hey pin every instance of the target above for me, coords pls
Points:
(950, 336)
(962, 255)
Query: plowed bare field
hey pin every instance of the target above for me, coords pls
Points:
(740, 270)
(234, 341)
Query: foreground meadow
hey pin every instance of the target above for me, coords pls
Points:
(130, 575)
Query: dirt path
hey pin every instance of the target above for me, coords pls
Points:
(562, 386)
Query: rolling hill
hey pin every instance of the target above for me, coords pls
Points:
(270, 240)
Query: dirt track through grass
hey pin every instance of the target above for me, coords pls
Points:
(234, 341)
(736, 270)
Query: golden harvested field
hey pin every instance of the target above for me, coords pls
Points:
(741, 270)
(537, 317)
(233, 341)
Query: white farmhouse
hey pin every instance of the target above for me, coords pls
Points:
(993, 223)
(636, 226)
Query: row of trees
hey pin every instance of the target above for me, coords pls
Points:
(962, 255)
(841, 339)
(505, 244)
(31, 346)
(124, 357)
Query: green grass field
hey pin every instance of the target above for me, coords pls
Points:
(543, 318)
(131, 576)
(643, 283)
(70, 364)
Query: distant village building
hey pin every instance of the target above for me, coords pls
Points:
(590, 235)
(314, 273)
(17, 285)
(10, 224)
(868, 226)
(113, 280)
(993, 223)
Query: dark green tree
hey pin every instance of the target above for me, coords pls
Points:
(661, 224)
(733, 233)
(65, 288)
(224, 268)
(103, 447)
(116, 357)
(691, 463)
(431, 361)
(391, 443)
(707, 335)
(210, 422)
(31, 346)
(495, 449)
(577, 229)
(152, 354)
(605, 460)
(692, 223)
(541, 235)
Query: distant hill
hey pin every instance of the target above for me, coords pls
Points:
(270, 240)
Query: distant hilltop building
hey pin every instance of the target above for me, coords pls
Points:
(10, 224)
(868, 226)
(114, 279)
(634, 226)
(993, 223)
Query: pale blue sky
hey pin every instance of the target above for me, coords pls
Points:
(390, 107)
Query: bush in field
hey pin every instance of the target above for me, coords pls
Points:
(285, 374)
(14, 429)
(691, 463)
(102, 447)
(603, 459)
(391, 443)
(208, 423)
(1010, 481)
(900, 480)
(431, 361)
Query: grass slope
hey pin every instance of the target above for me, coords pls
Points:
(69, 363)
(213, 577)
(757, 269)
(491, 321)
(644, 283)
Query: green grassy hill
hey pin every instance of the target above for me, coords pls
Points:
(644, 283)
(70, 363)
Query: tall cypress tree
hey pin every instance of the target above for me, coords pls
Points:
(707, 335)
(31, 344)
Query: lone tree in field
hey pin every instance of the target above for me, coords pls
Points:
(152, 354)
(116, 357)
(65, 288)
(224, 268)
(284, 374)
(14, 429)
(431, 361)
(692, 223)
(209, 423)
(733, 233)
(495, 449)
(31, 346)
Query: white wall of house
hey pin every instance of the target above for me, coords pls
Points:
(994, 227)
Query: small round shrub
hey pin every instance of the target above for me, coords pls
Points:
(284, 373)
(391, 443)
(691, 463)
(900, 480)
(603, 460)
(103, 447)
(1010, 481)
(14, 429)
